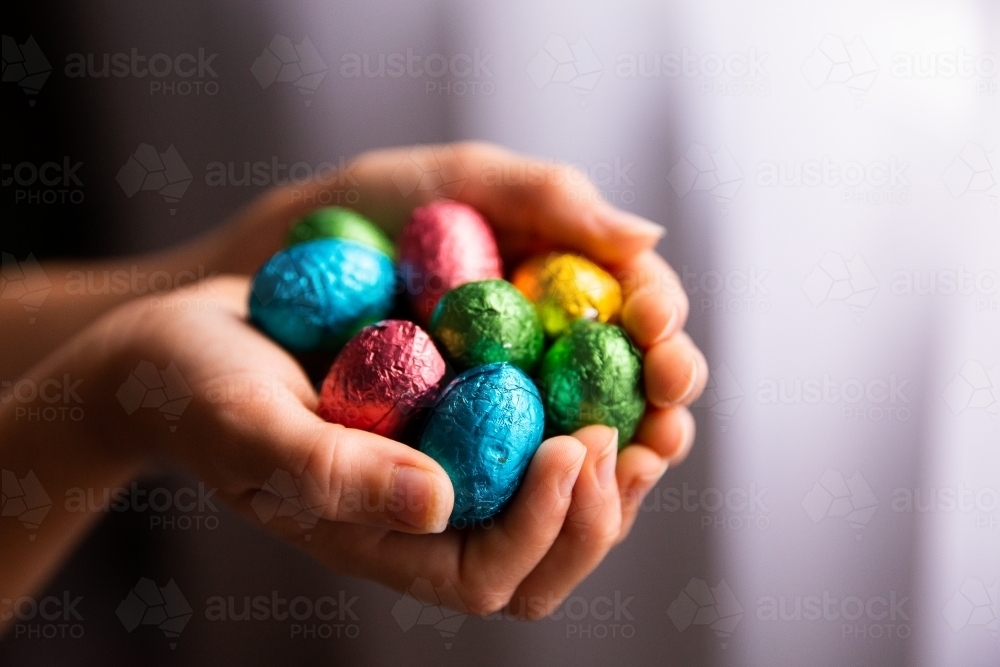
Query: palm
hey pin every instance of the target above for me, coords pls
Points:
(545, 541)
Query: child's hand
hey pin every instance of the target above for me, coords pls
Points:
(382, 504)
(533, 205)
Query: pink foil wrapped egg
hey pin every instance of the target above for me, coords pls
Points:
(383, 379)
(445, 244)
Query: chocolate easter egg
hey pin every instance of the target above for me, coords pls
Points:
(567, 287)
(445, 244)
(316, 295)
(593, 375)
(383, 379)
(334, 222)
(485, 428)
(485, 322)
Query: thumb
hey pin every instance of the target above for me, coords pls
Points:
(292, 463)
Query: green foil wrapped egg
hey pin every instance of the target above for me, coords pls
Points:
(593, 375)
(334, 222)
(485, 322)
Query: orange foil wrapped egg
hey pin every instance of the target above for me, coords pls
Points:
(566, 287)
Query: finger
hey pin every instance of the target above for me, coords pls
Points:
(675, 371)
(482, 566)
(530, 201)
(279, 450)
(592, 527)
(656, 305)
(639, 469)
(496, 560)
(553, 202)
(664, 439)
(667, 431)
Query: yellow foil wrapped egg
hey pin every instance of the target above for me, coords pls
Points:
(565, 288)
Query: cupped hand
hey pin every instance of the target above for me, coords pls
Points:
(578, 498)
(367, 505)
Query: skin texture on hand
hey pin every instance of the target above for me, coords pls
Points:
(252, 407)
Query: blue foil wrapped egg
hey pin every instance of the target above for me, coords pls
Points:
(484, 430)
(316, 295)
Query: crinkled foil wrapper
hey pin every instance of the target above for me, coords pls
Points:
(316, 295)
(593, 375)
(567, 287)
(484, 431)
(334, 222)
(445, 244)
(485, 322)
(383, 380)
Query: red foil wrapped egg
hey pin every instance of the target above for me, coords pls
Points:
(383, 379)
(445, 244)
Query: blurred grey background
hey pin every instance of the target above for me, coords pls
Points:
(828, 176)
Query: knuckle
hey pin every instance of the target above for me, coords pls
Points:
(328, 472)
(486, 601)
(604, 532)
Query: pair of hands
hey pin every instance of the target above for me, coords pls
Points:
(384, 506)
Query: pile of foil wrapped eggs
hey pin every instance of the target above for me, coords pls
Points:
(471, 369)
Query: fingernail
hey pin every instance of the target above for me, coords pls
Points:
(670, 327)
(643, 485)
(414, 491)
(606, 464)
(630, 222)
(570, 474)
(687, 428)
(681, 390)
